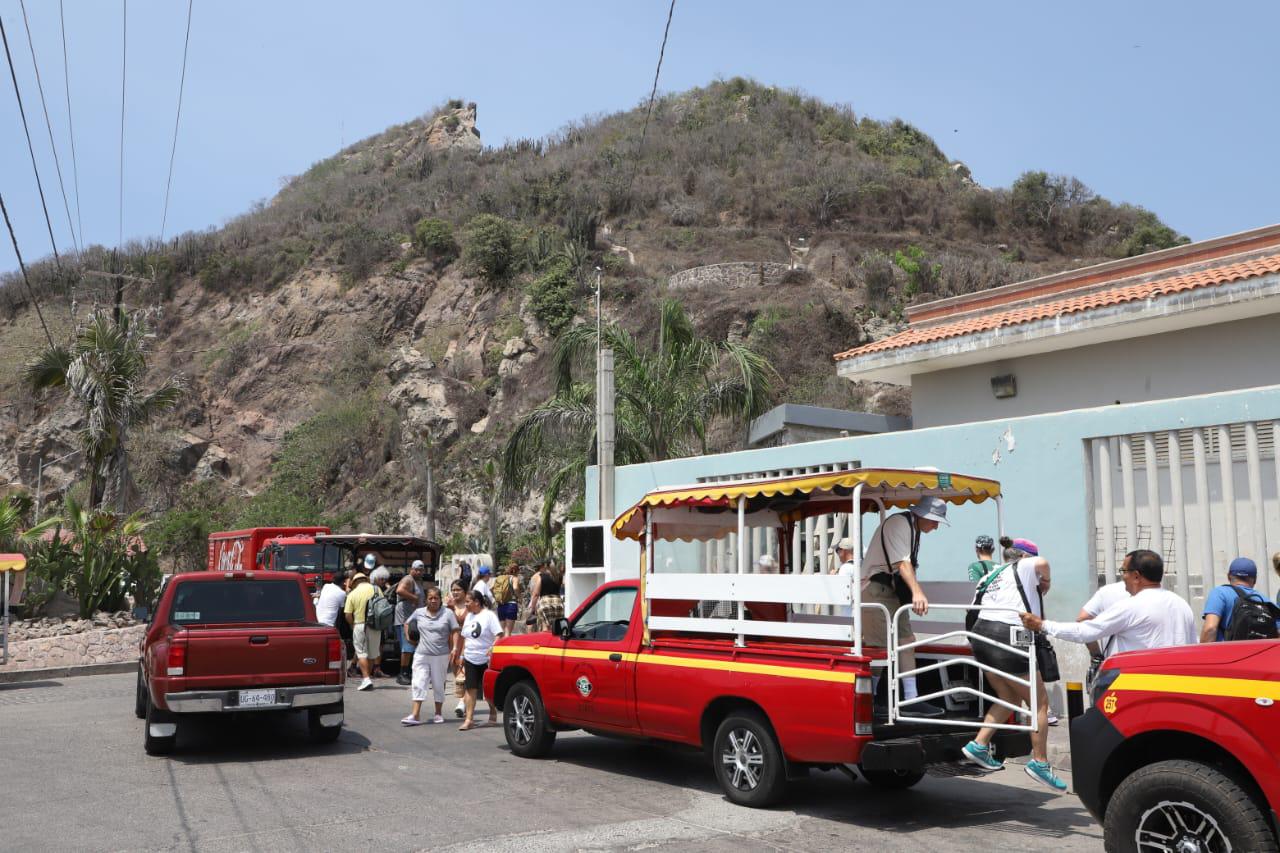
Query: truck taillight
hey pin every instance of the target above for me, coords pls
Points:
(177, 664)
(335, 653)
(863, 697)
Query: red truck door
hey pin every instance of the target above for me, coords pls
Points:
(592, 680)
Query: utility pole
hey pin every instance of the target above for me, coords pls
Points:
(604, 415)
(431, 485)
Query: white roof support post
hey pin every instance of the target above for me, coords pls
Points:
(855, 529)
(1179, 517)
(999, 518)
(742, 564)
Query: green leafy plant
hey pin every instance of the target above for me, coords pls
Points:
(489, 249)
(433, 239)
(111, 564)
(922, 276)
(551, 297)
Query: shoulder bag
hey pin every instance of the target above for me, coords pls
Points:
(1046, 656)
(971, 616)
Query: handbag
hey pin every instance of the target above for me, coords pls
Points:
(1046, 655)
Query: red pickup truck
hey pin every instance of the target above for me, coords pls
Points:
(1180, 750)
(237, 642)
(765, 713)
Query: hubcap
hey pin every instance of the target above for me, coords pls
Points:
(743, 759)
(520, 721)
(1179, 827)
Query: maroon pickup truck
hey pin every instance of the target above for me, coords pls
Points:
(237, 642)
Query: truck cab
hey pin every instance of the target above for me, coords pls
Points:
(767, 673)
(286, 549)
(1180, 749)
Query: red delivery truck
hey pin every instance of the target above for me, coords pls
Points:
(286, 549)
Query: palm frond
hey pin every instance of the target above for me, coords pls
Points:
(48, 370)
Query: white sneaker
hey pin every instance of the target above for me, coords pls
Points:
(367, 684)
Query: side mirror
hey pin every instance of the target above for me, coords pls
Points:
(561, 628)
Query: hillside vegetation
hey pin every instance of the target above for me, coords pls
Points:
(395, 305)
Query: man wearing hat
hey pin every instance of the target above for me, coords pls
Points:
(1242, 575)
(889, 578)
(483, 575)
(367, 641)
(410, 595)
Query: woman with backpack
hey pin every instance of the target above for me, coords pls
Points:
(546, 595)
(506, 592)
(1015, 586)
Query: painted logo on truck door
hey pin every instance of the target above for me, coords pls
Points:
(584, 686)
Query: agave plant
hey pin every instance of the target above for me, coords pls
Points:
(111, 561)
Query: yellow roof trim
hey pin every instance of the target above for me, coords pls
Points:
(953, 488)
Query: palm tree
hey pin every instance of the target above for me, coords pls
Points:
(103, 370)
(668, 397)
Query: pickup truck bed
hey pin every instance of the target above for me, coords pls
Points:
(231, 642)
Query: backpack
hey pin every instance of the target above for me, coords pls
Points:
(504, 590)
(1252, 618)
(464, 575)
(379, 613)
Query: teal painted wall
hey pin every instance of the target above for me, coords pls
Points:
(1042, 476)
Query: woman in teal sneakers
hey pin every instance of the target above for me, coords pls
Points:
(1014, 586)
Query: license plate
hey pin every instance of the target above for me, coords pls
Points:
(256, 698)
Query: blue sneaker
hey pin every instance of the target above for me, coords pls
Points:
(1043, 773)
(981, 756)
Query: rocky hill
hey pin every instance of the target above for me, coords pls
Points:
(394, 304)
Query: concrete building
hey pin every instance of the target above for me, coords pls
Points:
(791, 424)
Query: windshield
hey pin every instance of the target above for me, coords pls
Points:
(236, 601)
(308, 559)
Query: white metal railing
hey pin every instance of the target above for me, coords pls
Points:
(896, 674)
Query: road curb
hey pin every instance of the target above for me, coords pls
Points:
(67, 671)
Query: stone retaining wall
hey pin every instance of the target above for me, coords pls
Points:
(733, 275)
(100, 645)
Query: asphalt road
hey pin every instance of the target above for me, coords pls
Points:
(73, 776)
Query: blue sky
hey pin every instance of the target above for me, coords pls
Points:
(1166, 105)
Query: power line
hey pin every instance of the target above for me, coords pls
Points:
(23, 267)
(57, 164)
(174, 150)
(124, 55)
(71, 131)
(653, 94)
(30, 148)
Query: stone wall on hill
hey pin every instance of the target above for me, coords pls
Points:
(733, 275)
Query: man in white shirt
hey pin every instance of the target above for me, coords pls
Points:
(1152, 617)
(893, 554)
(332, 597)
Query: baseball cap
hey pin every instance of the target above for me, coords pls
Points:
(1243, 567)
(418, 564)
(370, 561)
(1026, 546)
(484, 570)
(931, 508)
(845, 544)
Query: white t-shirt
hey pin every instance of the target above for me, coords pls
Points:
(482, 587)
(1003, 592)
(1106, 597)
(479, 632)
(845, 571)
(1151, 619)
(897, 541)
(332, 597)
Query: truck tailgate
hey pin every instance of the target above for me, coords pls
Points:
(277, 655)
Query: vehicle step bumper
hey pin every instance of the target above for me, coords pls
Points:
(919, 752)
(226, 701)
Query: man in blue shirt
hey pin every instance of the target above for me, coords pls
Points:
(1242, 573)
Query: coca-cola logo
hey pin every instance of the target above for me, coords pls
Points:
(229, 557)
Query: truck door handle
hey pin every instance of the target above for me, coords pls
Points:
(258, 640)
(615, 657)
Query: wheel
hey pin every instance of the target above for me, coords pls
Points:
(140, 697)
(525, 722)
(319, 732)
(1184, 805)
(159, 744)
(891, 780)
(748, 761)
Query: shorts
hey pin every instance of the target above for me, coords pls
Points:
(1002, 659)
(406, 647)
(428, 677)
(368, 641)
(475, 675)
(509, 611)
(874, 630)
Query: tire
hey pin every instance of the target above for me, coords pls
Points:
(891, 780)
(321, 733)
(140, 698)
(748, 761)
(1194, 801)
(158, 745)
(524, 721)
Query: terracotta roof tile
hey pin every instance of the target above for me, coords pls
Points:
(1073, 305)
